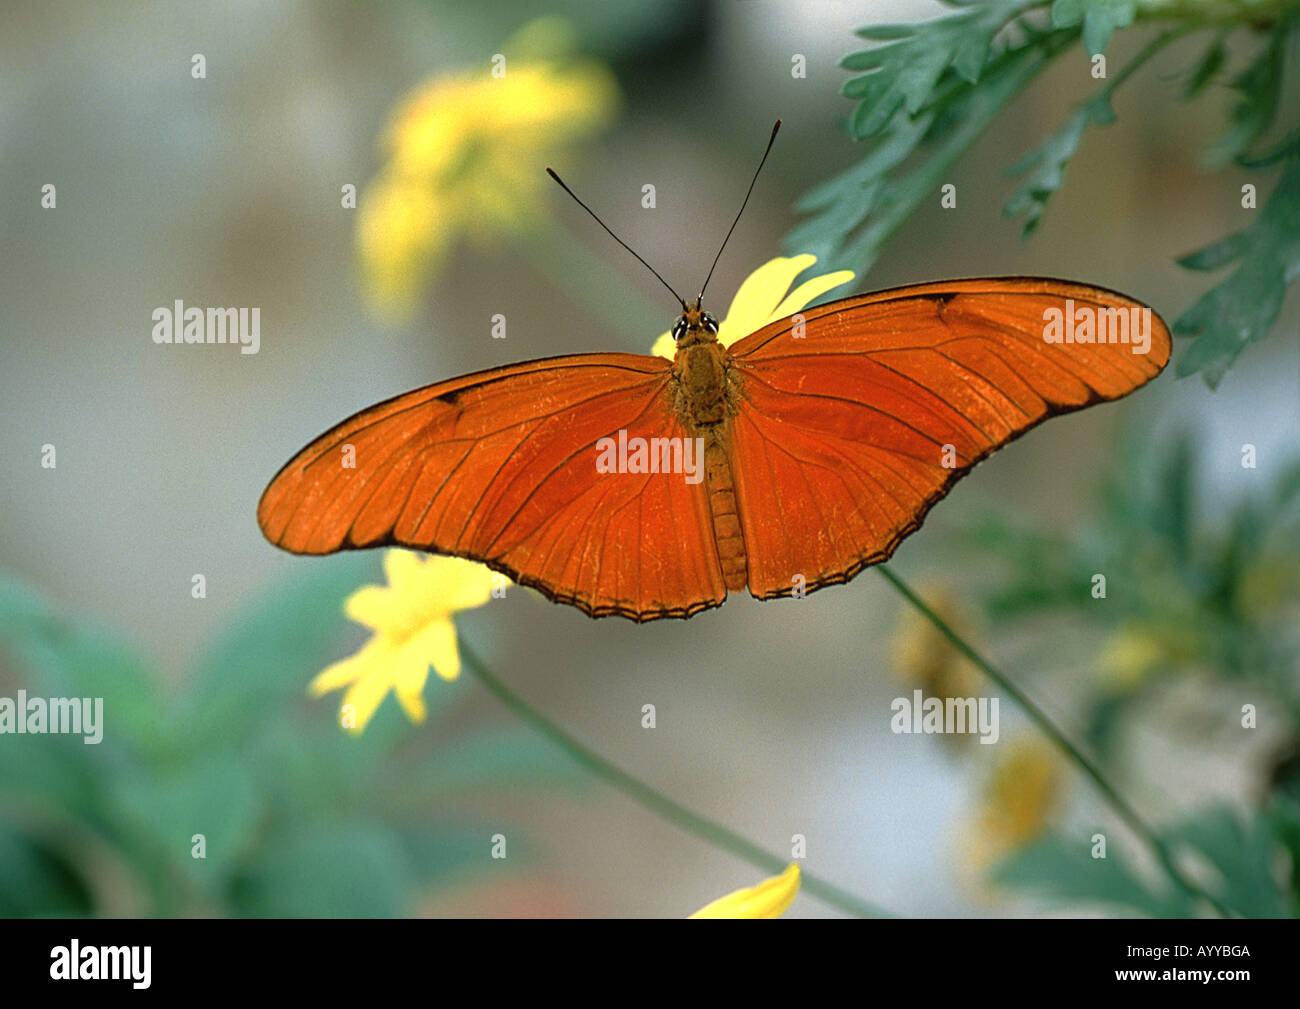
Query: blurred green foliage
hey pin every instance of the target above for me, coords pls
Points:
(1188, 592)
(1243, 858)
(927, 91)
(300, 818)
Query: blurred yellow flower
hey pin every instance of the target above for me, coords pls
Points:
(923, 655)
(1138, 649)
(411, 618)
(763, 298)
(1129, 655)
(1023, 792)
(466, 156)
(769, 899)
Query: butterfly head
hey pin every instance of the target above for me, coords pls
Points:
(694, 325)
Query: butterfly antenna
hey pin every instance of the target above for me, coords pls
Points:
(620, 241)
(770, 142)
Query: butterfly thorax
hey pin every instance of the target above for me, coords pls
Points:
(700, 368)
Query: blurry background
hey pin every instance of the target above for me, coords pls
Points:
(772, 718)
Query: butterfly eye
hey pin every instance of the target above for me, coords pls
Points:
(679, 329)
(710, 323)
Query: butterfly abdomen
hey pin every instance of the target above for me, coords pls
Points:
(700, 371)
(726, 521)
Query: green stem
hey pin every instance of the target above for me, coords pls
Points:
(1228, 14)
(660, 804)
(1144, 54)
(597, 287)
(1048, 727)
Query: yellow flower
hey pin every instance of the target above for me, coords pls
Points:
(411, 619)
(1022, 794)
(466, 153)
(1129, 655)
(925, 658)
(763, 298)
(769, 899)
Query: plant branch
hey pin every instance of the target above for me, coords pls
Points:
(1058, 737)
(658, 803)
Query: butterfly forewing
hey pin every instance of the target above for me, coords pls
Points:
(501, 467)
(856, 417)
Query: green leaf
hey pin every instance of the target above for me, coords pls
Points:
(162, 809)
(1284, 819)
(1100, 19)
(1259, 90)
(271, 650)
(1242, 309)
(1063, 871)
(34, 882)
(330, 870)
(846, 200)
(61, 770)
(444, 854)
(1244, 856)
(68, 658)
(1218, 255)
(1051, 157)
(1173, 515)
(1049, 160)
(855, 214)
(1216, 54)
(492, 760)
(1040, 573)
(902, 73)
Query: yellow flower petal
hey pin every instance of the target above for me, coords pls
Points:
(763, 298)
(436, 646)
(410, 673)
(403, 232)
(371, 605)
(403, 569)
(365, 696)
(339, 675)
(808, 291)
(1022, 794)
(769, 899)
(462, 154)
(1129, 656)
(458, 584)
(413, 630)
(752, 307)
(664, 346)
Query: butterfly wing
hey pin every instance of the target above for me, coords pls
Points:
(845, 437)
(500, 467)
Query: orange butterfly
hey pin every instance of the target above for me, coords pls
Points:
(638, 486)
